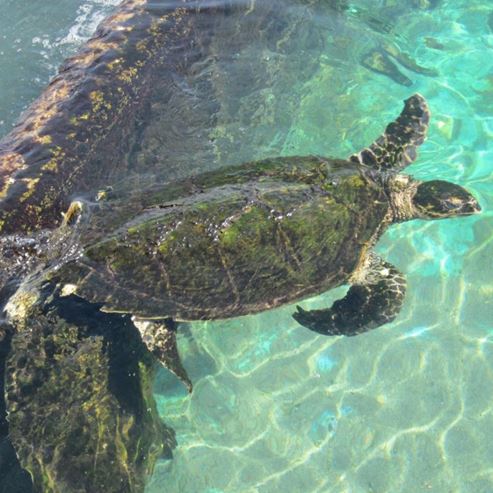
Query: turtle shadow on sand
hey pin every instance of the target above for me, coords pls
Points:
(93, 301)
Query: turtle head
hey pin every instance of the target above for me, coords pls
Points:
(438, 199)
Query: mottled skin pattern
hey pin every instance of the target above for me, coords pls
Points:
(396, 147)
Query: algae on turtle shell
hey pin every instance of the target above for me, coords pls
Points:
(249, 238)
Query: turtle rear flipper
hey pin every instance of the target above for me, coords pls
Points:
(396, 147)
(160, 338)
(372, 302)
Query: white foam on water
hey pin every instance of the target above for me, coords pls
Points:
(90, 14)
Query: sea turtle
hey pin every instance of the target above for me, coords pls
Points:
(248, 238)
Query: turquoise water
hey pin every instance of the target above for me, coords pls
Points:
(404, 408)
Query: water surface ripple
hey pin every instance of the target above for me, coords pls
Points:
(405, 408)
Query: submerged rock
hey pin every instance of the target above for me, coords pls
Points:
(79, 393)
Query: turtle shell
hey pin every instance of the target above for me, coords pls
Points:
(247, 239)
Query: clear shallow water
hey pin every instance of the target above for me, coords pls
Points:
(33, 43)
(407, 407)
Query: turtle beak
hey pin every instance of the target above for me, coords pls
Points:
(471, 207)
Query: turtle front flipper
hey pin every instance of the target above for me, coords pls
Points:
(160, 338)
(372, 301)
(396, 147)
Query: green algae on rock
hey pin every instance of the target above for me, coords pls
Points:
(41, 158)
(81, 412)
